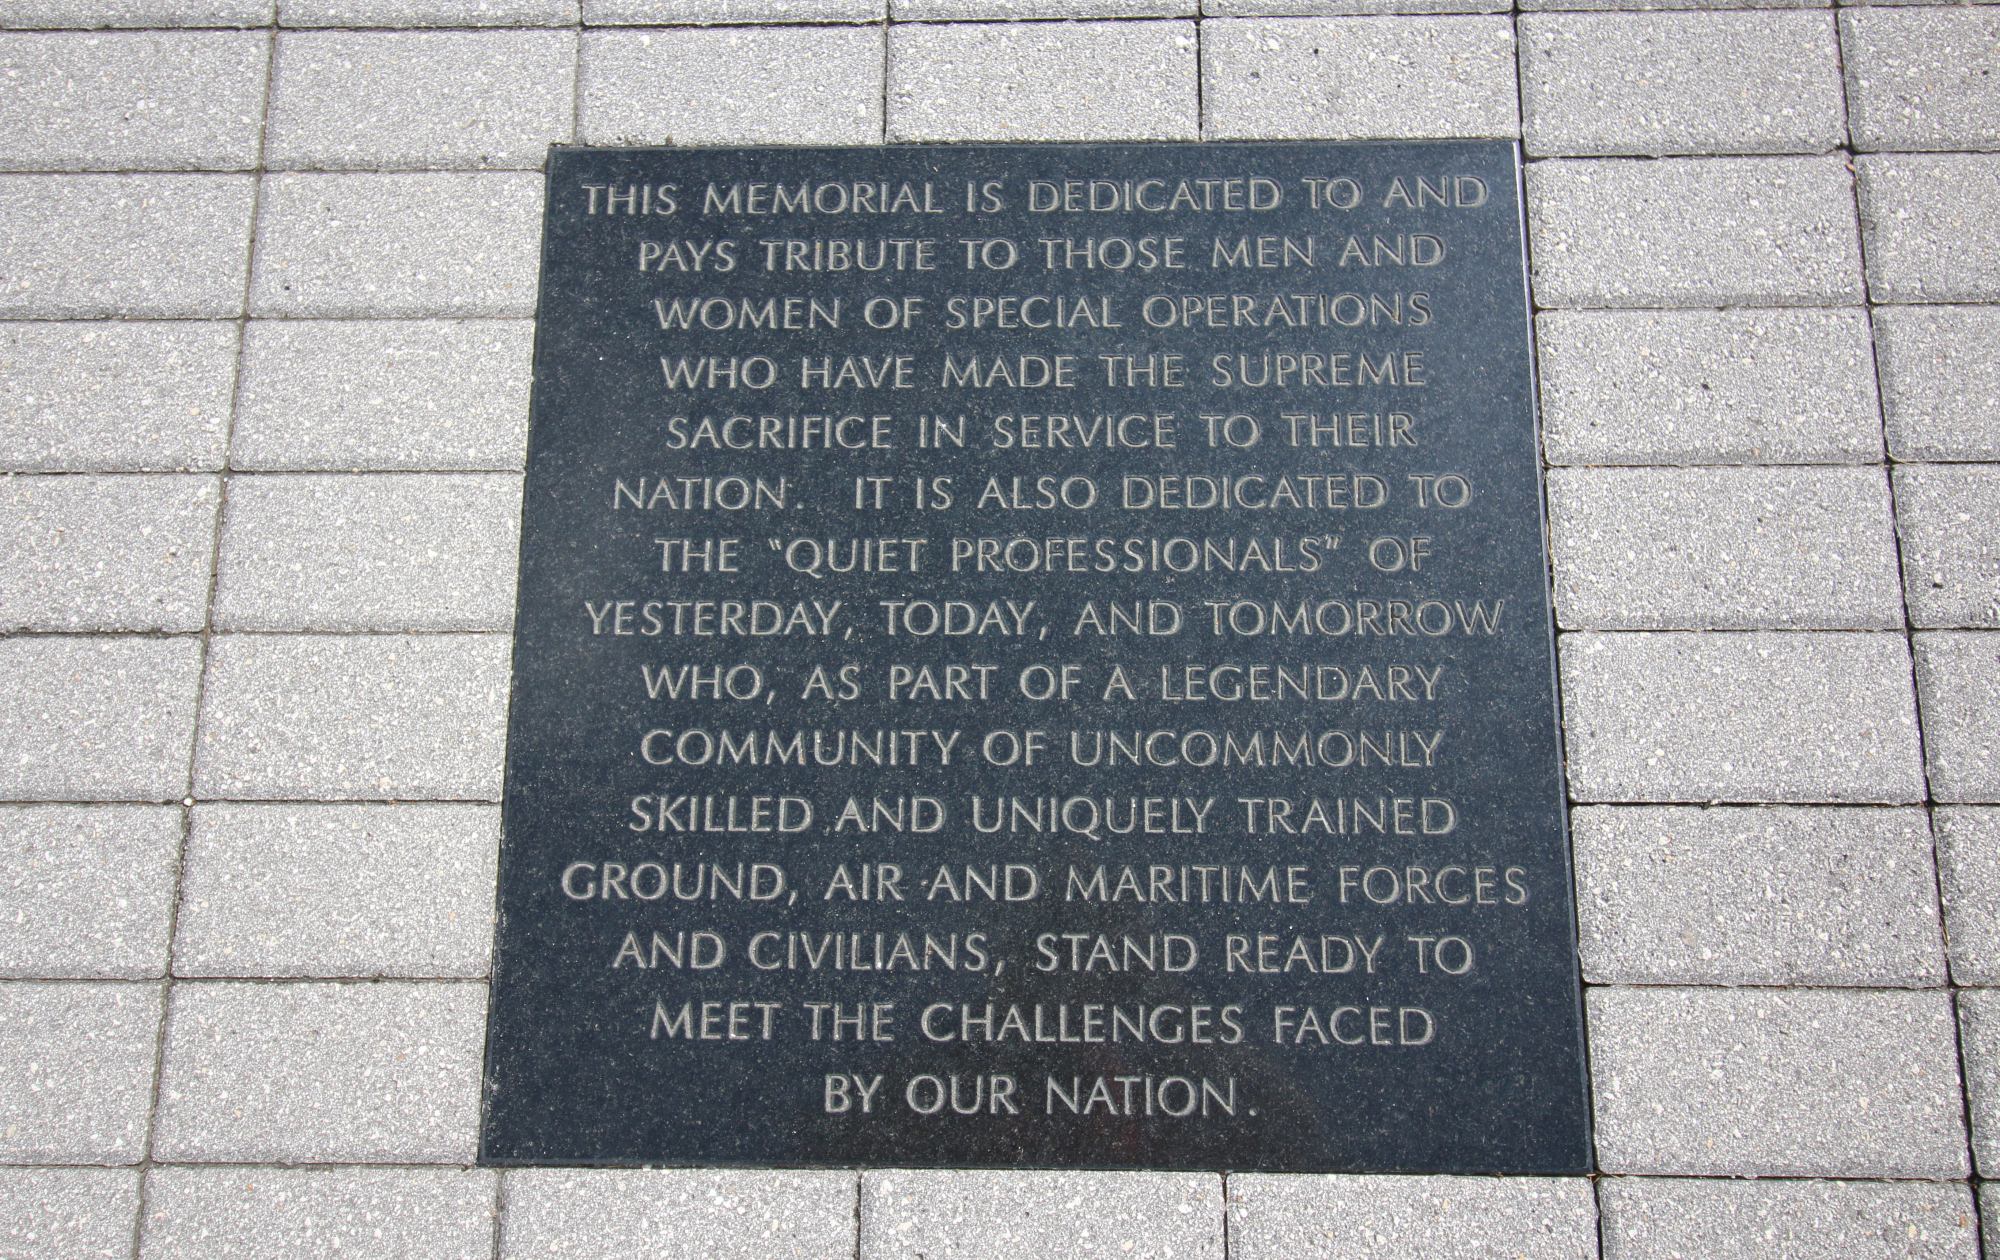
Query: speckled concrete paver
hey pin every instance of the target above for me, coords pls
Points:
(338, 890)
(266, 1213)
(1708, 387)
(726, 1213)
(1776, 1083)
(1765, 896)
(1039, 1216)
(1666, 1218)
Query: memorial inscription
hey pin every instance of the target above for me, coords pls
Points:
(1035, 655)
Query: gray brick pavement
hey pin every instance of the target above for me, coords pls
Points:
(328, 717)
(151, 247)
(1735, 896)
(1933, 226)
(91, 890)
(96, 719)
(748, 85)
(342, 246)
(338, 890)
(76, 1071)
(1018, 10)
(1694, 232)
(1923, 77)
(1756, 81)
(1662, 1218)
(383, 551)
(749, 1213)
(1949, 519)
(1039, 1215)
(1740, 717)
(132, 100)
(1940, 369)
(1979, 1029)
(1968, 858)
(363, 358)
(413, 395)
(371, 100)
(1359, 78)
(1122, 80)
(62, 1212)
(1723, 548)
(1776, 1083)
(286, 1213)
(716, 12)
(1708, 387)
(428, 12)
(122, 552)
(137, 13)
(321, 1073)
(1958, 688)
(115, 397)
(1273, 1217)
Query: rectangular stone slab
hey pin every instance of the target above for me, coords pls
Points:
(1035, 655)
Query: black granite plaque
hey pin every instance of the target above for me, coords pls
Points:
(1035, 655)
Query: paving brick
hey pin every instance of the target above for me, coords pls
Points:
(1923, 78)
(76, 1071)
(428, 13)
(148, 246)
(91, 14)
(343, 246)
(370, 551)
(1322, 8)
(1968, 859)
(1032, 1215)
(725, 1213)
(1706, 387)
(1949, 519)
(1933, 226)
(384, 394)
(63, 1213)
(1274, 1217)
(1723, 548)
(87, 891)
(1019, 10)
(1958, 686)
(362, 100)
(1530, 5)
(1979, 1030)
(1676, 83)
(1118, 81)
(1359, 78)
(1654, 1218)
(318, 717)
(338, 890)
(1680, 895)
(115, 397)
(748, 85)
(1940, 369)
(1774, 231)
(1776, 1082)
(321, 1073)
(718, 12)
(96, 719)
(319, 1213)
(1740, 717)
(140, 100)
(119, 552)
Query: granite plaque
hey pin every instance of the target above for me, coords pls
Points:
(1035, 656)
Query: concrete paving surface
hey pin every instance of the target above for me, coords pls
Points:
(267, 278)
